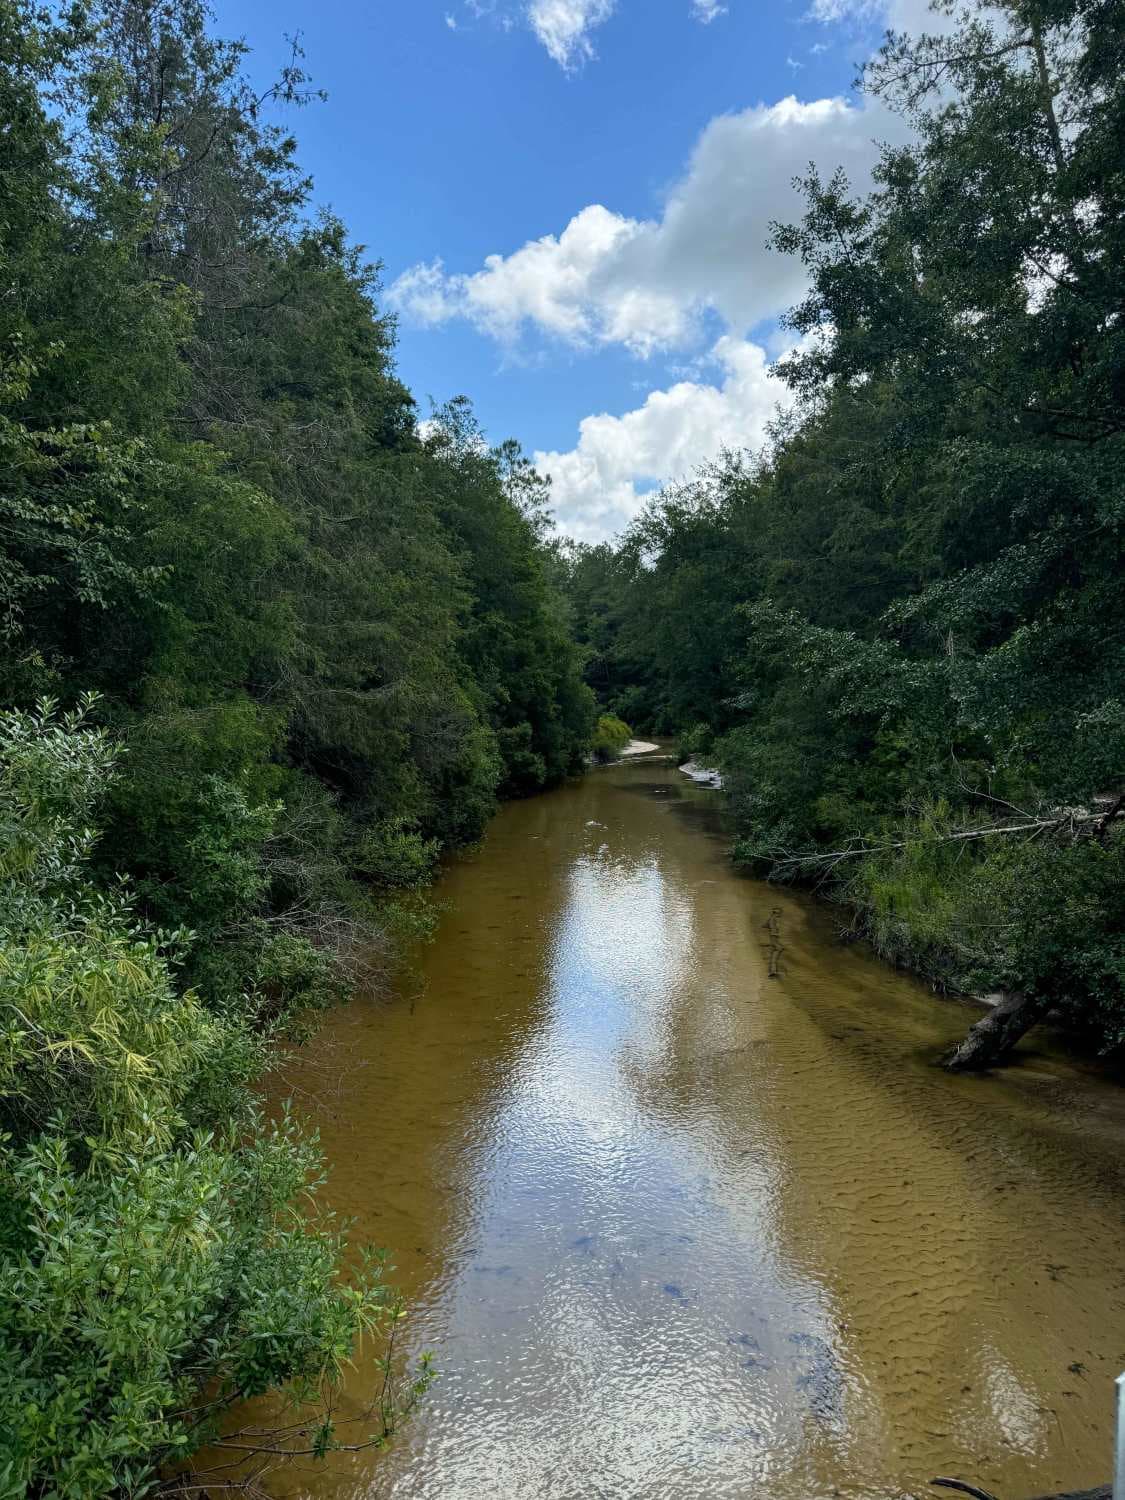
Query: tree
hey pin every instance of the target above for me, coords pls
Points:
(218, 514)
(905, 619)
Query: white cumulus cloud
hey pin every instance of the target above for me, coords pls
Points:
(647, 284)
(607, 278)
(564, 26)
(652, 284)
(601, 483)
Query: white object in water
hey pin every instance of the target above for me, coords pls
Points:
(702, 775)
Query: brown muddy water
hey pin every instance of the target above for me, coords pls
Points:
(678, 1230)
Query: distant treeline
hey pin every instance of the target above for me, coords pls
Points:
(901, 630)
(268, 647)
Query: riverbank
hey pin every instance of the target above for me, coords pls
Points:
(615, 1161)
(888, 922)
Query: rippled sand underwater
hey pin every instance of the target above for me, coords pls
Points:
(678, 1230)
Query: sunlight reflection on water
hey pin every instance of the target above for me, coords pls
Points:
(677, 1229)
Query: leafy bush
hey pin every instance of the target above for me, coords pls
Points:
(154, 1235)
(696, 743)
(611, 735)
(1046, 918)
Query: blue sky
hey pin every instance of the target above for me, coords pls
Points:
(619, 161)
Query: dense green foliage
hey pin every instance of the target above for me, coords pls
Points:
(611, 735)
(323, 639)
(901, 631)
(149, 1238)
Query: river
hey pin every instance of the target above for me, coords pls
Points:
(680, 1230)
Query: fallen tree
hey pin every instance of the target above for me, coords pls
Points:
(1072, 820)
(1102, 1492)
(1032, 906)
(992, 1037)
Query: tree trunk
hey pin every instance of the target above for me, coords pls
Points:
(1103, 1492)
(995, 1034)
(1047, 93)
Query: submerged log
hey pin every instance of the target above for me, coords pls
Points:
(1103, 1491)
(995, 1034)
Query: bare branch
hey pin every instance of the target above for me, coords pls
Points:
(1072, 818)
(966, 1489)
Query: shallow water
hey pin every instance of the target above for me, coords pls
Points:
(679, 1230)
